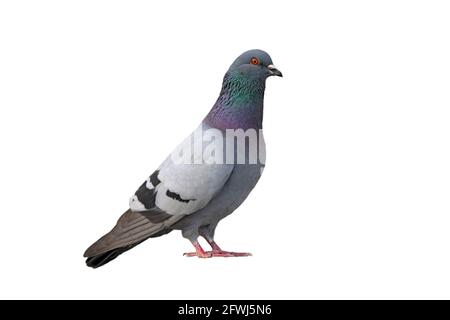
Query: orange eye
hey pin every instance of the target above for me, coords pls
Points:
(254, 61)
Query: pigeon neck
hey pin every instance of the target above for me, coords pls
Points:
(240, 103)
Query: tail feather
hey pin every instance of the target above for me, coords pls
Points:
(131, 229)
(103, 258)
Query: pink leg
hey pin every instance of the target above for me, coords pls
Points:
(218, 252)
(199, 252)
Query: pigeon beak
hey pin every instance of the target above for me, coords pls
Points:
(274, 71)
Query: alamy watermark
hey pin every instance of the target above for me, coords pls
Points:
(213, 146)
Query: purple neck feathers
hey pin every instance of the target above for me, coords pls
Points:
(240, 104)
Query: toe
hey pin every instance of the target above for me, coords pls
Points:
(190, 254)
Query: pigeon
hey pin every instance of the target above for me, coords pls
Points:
(207, 176)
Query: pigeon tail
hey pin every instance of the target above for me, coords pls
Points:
(103, 258)
(131, 229)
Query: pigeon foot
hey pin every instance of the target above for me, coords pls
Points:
(199, 252)
(212, 254)
(216, 251)
(228, 254)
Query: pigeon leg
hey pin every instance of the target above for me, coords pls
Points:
(218, 252)
(199, 252)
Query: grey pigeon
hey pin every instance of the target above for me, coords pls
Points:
(207, 177)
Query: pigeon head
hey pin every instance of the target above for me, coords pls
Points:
(241, 100)
(255, 64)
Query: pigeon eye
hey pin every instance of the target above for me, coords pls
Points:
(254, 61)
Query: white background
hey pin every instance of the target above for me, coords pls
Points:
(354, 201)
